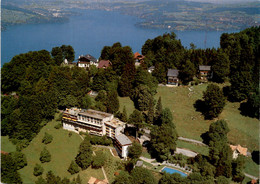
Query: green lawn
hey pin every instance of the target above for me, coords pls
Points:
(251, 167)
(7, 145)
(63, 150)
(193, 147)
(112, 164)
(191, 124)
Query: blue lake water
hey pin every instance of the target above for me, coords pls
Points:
(89, 32)
(171, 171)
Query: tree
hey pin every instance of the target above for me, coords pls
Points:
(214, 101)
(20, 159)
(122, 178)
(112, 102)
(9, 173)
(158, 109)
(38, 170)
(251, 107)
(45, 155)
(187, 72)
(40, 180)
(135, 150)
(125, 84)
(150, 116)
(59, 54)
(174, 178)
(73, 168)
(136, 119)
(160, 72)
(219, 151)
(47, 138)
(124, 115)
(141, 175)
(222, 180)
(84, 156)
(238, 167)
(141, 97)
(98, 160)
(51, 178)
(163, 141)
(220, 67)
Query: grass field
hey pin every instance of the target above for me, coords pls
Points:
(7, 145)
(193, 147)
(191, 124)
(63, 150)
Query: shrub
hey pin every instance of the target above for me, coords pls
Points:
(70, 134)
(45, 156)
(47, 138)
(58, 126)
(38, 170)
(73, 168)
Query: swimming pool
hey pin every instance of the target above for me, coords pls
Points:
(171, 171)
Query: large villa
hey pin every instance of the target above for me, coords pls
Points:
(97, 123)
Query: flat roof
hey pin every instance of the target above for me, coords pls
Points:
(123, 139)
(95, 114)
(115, 122)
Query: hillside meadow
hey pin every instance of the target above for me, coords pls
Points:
(191, 123)
(63, 150)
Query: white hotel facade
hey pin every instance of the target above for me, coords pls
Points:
(97, 123)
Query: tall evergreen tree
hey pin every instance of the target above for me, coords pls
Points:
(124, 115)
(220, 67)
(187, 72)
(84, 156)
(45, 155)
(150, 115)
(112, 102)
(125, 84)
(164, 137)
(214, 101)
(158, 109)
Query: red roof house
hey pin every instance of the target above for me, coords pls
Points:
(104, 64)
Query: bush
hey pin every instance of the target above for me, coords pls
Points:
(70, 134)
(100, 140)
(47, 138)
(45, 156)
(38, 170)
(73, 168)
(58, 126)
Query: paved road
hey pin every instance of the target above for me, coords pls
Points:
(186, 152)
(192, 141)
(250, 176)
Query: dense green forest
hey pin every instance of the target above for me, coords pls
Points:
(35, 85)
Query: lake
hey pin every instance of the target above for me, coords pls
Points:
(89, 32)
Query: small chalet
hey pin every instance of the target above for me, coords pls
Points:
(172, 76)
(205, 72)
(122, 143)
(238, 150)
(151, 69)
(104, 64)
(138, 58)
(93, 180)
(86, 61)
